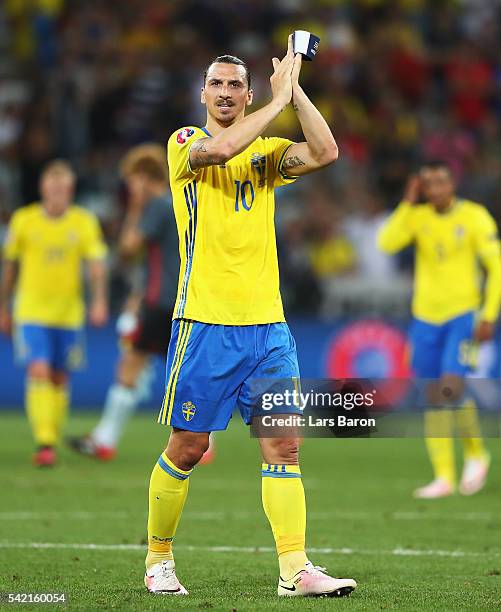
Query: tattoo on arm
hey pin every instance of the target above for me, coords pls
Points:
(292, 162)
(197, 157)
(295, 106)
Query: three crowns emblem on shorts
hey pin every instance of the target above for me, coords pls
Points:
(189, 410)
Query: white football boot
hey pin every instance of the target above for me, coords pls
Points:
(312, 581)
(436, 489)
(161, 578)
(474, 475)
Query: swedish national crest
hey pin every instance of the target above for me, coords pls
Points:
(189, 410)
(258, 162)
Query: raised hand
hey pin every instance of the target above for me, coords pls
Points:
(296, 69)
(412, 190)
(281, 79)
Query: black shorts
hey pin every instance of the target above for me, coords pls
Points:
(152, 334)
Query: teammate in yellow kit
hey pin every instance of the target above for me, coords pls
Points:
(44, 249)
(453, 237)
(229, 329)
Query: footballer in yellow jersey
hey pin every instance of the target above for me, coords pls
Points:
(229, 330)
(45, 246)
(454, 238)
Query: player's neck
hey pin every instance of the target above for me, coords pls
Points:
(214, 127)
(445, 208)
(53, 214)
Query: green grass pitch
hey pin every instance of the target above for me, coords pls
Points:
(406, 555)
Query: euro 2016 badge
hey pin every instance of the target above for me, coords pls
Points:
(305, 43)
(189, 410)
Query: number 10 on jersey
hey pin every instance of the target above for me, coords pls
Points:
(242, 193)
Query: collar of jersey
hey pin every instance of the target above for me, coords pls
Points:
(204, 129)
(453, 206)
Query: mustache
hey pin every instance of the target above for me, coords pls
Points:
(225, 103)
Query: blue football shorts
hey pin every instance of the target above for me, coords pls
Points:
(61, 348)
(212, 369)
(447, 348)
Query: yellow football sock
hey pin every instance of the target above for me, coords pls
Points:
(285, 507)
(167, 494)
(41, 411)
(440, 443)
(61, 401)
(469, 429)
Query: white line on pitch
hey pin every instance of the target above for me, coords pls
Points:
(208, 515)
(404, 552)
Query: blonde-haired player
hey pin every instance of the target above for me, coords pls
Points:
(46, 243)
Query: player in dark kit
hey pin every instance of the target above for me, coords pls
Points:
(144, 327)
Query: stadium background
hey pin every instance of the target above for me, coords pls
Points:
(398, 81)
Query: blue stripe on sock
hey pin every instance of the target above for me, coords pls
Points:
(167, 468)
(266, 473)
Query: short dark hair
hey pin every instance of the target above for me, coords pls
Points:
(230, 59)
(436, 164)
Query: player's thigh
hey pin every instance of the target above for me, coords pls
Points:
(427, 346)
(460, 350)
(203, 374)
(274, 384)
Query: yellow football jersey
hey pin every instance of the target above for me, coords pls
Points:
(225, 220)
(449, 248)
(50, 251)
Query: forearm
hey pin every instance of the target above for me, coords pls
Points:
(8, 282)
(321, 142)
(234, 139)
(129, 242)
(492, 298)
(98, 278)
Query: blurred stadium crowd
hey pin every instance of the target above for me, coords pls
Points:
(399, 81)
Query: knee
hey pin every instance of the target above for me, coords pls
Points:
(130, 368)
(39, 370)
(186, 452)
(59, 378)
(282, 450)
(451, 390)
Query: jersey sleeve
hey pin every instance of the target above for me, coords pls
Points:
(397, 232)
(13, 240)
(93, 245)
(178, 153)
(489, 252)
(278, 148)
